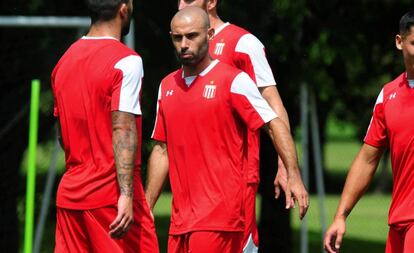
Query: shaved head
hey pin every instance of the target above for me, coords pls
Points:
(190, 34)
(191, 14)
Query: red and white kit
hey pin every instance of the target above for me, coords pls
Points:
(392, 126)
(93, 78)
(204, 124)
(239, 48)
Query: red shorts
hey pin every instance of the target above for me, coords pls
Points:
(400, 239)
(251, 235)
(88, 231)
(206, 242)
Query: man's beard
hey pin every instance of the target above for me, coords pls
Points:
(125, 28)
(195, 59)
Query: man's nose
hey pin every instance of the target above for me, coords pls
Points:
(184, 43)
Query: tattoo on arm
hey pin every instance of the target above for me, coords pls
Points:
(124, 142)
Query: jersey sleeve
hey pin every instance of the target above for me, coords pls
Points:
(249, 104)
(127, 89)
(377, 133)
(159, 127)
(251, 47)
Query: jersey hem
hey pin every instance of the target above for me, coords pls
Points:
(79, 206)
(265, 85)
(374, 144)
(220, 229)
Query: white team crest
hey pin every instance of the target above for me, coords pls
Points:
(219, 48)
(209, 91)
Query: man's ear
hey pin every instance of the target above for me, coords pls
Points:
(211, 4)
(210, 33)
(398, 41)
(123, 10)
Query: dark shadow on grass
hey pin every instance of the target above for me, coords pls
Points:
(162, 224)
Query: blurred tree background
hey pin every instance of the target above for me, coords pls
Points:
(343, 50)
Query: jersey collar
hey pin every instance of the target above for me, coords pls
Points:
(190, 79)
(98, 38)
(220, 28)
(410, 83)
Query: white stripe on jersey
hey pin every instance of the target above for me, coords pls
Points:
(252, 46)
(244, 85)
(380, 100)
(380, 97)
(133, 72)
(158, 107)
(220, 28)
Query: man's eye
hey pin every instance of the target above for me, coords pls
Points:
(191, 36)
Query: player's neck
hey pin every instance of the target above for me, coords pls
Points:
(215, 21)
(105, 29)
(197, 69)
(410, 73)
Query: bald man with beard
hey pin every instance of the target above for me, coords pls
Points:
(204, 111)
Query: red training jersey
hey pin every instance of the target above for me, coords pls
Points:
(392, 126)
(95, 76)
(204, 126)
(239, 48)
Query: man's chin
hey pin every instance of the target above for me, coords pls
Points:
(187, 61)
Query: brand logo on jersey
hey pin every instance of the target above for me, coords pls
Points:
(219, 48)
(169, 93)
(209, 91)
(392, 96)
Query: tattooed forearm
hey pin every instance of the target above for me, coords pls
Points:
(124, 141)
(126, 184)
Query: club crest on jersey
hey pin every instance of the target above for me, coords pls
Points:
(218, 50)
(209, 91)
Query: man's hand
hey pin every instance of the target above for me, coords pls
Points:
(123, 221)
(294, 190)
(334, 235)
(280, 182)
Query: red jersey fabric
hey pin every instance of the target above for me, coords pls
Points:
(239, 48)
(392, 126)
(204, 126)
(93, 78)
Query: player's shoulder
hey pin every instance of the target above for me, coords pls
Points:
(244, 40)
(236, 30)
(230, 74)
(172, 77)
(226, 69)
(121, 50)
(394, 84)
(389, 90)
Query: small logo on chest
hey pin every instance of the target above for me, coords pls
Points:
(209, 91)
(218, 50)
(169, 93)
(392, 96)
